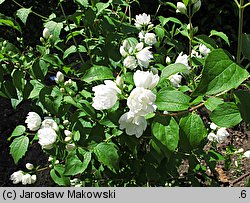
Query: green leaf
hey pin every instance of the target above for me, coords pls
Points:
(57, 175)
(97, 73)
(172, 69)
(219, 74)
(75, 166)
(185, 2)
(70, 100)
(106, 154)
(226, 115)
(167, 135)
(52, 59)
(8, 21)
(194, 128)
(40, 69)
(244, 104)
(246, 45)
(70, 50)
(37, 87)
(172, 100)
(1, 1)
(23, 14)
(18, 80)
(19, 130)
(19, 147)
(54, 28)
(221, 35)
(84, 3)
(212, 103)
(101, 7)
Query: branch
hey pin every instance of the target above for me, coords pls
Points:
(182, 112)
(31, 10)
(239, 179)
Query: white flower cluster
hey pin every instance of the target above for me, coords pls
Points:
(183, 59)
(22, 177)
(141, 101)
(47, 133)
(139, 54)
(135, 55)
(176, 78)
(220, 135)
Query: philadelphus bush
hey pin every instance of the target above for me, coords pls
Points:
(122, 100)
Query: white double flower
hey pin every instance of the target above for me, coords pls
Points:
(141, 101)
(105, 95)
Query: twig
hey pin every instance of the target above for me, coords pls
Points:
(239, 179)
(182, 112)
(31, 10)
(74, 40)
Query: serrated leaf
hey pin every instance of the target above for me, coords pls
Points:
(8, 21)
(167, 135)
(106, 154)
(172, 100)
(52, 59)
(19, 130)
(54, 28)
(221, 35)
(172, 69)
(194, 128)
(40, 69)
(37, 87)
(75, 166)
(219, 74)
(23, 14)
(70, 50)
(19, 147)
(57, 175)
(97, 73)
(212, 103)
(226, 115)
(18, 80)
(84, 3)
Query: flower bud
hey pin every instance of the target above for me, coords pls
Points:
(42, 40)
(4, 42)
(181, 8)
(67, 139)
(29, 166)
(119, 81)
(70, 147)
(50, 158)
(189, 26)
(46, 33)
(168, 60)
(56, 162)
(68, 82)
(66, 122)
(68, 133)
(62, 90)
(59, 77)
(33, 179)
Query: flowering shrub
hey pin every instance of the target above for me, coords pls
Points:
(117, 99)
